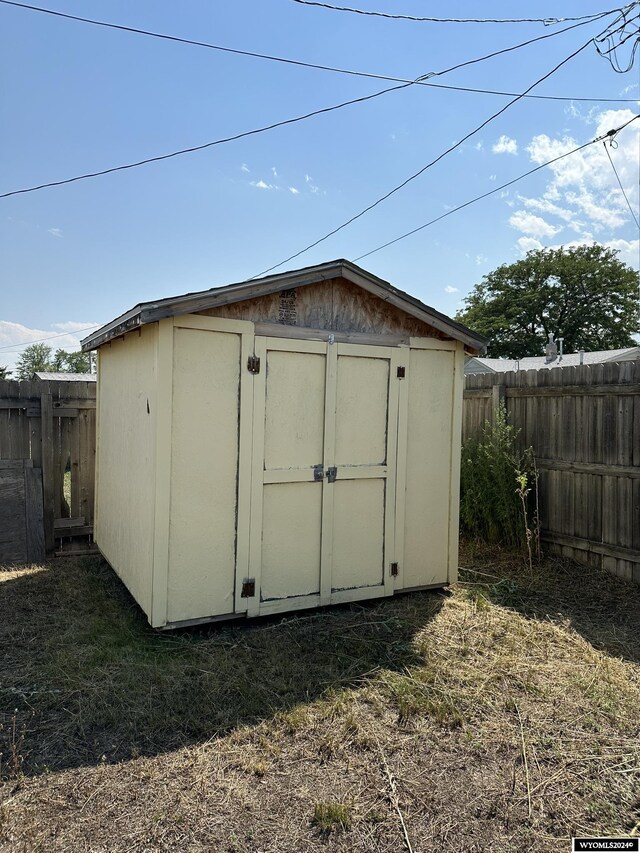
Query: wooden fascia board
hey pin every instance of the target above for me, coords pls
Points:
(151, 312)
(120, 326)
(385, 292)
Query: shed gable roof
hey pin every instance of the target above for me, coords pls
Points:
(151, 312)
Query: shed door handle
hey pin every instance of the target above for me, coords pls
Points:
(318, 473)
(332, 473)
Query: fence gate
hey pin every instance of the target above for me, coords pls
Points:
(47, 430)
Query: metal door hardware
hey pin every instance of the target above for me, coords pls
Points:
(400, 373)
(332, 473)
(248, 588)
(318, 473)
(253, 364)
(394, 569)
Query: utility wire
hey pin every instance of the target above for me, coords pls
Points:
(424, 168)
(18, 347)
(626, 198)
(545, 21)
(255, 131)
(319, 67)
(496, 189)
(202, 147)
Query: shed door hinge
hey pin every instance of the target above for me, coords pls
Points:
(394, 570)
(400, 373)
(248, 588)
(253, 364)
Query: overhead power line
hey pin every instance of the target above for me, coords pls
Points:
(421, 171)
(369, 13)
(18, 347)
(328, 68)
(626, 198)
(496, 190)
(192, 149)
(202, 147)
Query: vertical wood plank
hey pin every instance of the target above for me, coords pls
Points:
(46, 416)
(454, 479)
(245, 452)
(257, 478)
(34, 514)
(164, 426)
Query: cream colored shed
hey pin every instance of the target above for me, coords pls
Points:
(279, 444)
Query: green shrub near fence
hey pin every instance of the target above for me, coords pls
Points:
(498, 487)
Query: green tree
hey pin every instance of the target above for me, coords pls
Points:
(38, 357)
(584, 295)
(71, 362)
(34, 357)
(5, 372)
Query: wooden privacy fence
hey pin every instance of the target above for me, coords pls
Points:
(53, 424)
(584, 426)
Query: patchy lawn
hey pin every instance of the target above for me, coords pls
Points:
(504, 716)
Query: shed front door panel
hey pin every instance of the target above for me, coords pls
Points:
(324, 473)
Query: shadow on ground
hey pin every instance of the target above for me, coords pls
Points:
(602, 608)
(84, 680)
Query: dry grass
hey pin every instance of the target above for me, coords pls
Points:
(501, 717)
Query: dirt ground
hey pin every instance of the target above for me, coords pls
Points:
(502, 715)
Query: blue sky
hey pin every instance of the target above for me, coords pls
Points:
(77, 98)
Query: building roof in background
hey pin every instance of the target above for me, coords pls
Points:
(505, 365)
(151, 312)
(65, 377)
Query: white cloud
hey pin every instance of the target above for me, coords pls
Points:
(582, 192)
(532, 225)
(309, 182)
(599, 214)
(479, 146)
(480, 259)
(528, 244)
(492, 177)
(261, 185)
(544, 205)
(505, 145)
(273, 172)
(629, 88)
(55, 232)
(628, 249)
(450, 289)
(294, 190)
(244, 168)
(14, 337)
(73, 326)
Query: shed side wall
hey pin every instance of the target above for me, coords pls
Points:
(125, 459)
(429, 447)
(204, 473)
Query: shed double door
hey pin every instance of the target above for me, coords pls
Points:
(324, 464)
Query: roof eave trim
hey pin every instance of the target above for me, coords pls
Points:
(151, 312)
(115, 329)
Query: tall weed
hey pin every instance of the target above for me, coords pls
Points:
(499, 488)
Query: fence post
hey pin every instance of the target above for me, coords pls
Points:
(46, 419)
(498, 399)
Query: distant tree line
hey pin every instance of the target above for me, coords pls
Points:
(40, 357)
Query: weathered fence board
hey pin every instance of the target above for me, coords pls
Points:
(53, 425)
(584, 426)
(21, 528)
